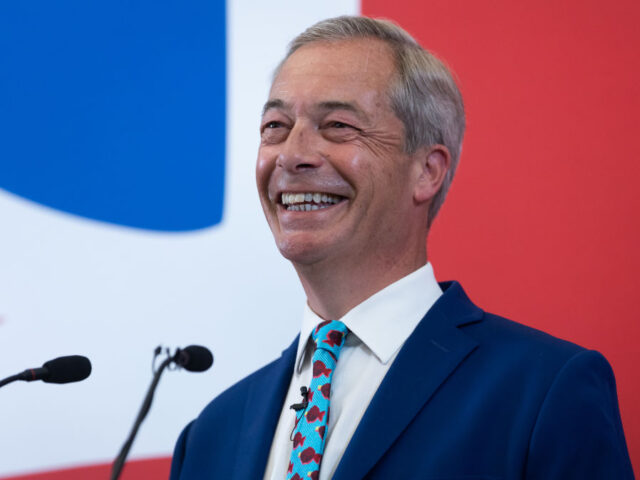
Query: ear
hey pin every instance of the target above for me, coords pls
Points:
(434, 162)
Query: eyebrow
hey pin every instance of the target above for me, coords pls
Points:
(333, 105)
(328, 105)
(275, 103)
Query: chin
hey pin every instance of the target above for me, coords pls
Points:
(300, 252)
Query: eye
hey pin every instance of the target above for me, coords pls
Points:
(339, 125)
(273, 131)
(339, 131)
(272, 124)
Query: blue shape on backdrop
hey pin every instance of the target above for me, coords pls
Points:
(115, 110)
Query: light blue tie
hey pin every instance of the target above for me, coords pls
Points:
(311, 424)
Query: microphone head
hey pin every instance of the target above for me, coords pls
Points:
(194, 358)
(72, 368)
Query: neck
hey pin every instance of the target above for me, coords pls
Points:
(333, 287)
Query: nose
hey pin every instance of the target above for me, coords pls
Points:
(300, 151)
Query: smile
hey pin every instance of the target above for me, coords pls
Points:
(305, 202)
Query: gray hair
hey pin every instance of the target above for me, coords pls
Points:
(423, 95)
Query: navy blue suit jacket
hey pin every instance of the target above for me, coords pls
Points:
(469, 396)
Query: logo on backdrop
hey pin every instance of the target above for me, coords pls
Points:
(116, 118)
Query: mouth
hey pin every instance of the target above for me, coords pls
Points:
(308, 201)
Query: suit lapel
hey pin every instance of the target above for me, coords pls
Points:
(426, 360)
(261, 413)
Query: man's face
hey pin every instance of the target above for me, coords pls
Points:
(332, 176)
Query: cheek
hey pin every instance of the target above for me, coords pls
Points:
(372, 175)
(264, 168)
(351, 163)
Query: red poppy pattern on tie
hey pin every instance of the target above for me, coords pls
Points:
(311, 424)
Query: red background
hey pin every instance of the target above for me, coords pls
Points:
(153, 468)
(541, 224)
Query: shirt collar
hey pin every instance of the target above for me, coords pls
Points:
(385, 320)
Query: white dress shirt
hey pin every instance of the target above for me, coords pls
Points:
(378, 327)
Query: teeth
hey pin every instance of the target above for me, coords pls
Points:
(305, 207)
(305, 202)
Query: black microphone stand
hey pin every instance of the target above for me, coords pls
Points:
(118, 463)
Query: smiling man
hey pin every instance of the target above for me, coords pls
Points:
(399, 375)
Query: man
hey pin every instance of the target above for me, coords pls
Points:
(360, 138)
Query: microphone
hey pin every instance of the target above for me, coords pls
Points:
(297, 407)
(304, 391)
(72, 368)
(193, 358)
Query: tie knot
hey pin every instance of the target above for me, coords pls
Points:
(329, 335)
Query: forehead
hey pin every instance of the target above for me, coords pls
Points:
(338, 70)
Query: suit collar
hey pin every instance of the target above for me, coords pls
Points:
(427, 359)
(261, 412)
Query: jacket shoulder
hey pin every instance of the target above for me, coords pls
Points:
(497, 337)
(526, 340)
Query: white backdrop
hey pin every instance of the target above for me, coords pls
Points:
(69, 285)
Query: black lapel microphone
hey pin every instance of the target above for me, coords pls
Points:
(304, 391)
(72, 368)
(302, 406)
(193, 358)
